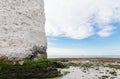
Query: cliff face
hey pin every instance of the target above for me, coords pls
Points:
(22, 32)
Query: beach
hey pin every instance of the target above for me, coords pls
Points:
(89, 68)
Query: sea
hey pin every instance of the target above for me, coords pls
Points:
(84, 56)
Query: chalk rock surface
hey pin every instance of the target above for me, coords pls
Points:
(22, 32)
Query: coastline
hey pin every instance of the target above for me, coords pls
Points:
(96, 59)
(89, 68)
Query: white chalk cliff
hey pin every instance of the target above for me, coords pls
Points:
(22, 29)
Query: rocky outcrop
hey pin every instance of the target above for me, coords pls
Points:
(22, 32)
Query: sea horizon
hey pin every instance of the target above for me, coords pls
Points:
(84, 56)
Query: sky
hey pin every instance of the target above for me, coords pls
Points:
(82, 27)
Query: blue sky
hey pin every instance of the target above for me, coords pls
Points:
(83, 27)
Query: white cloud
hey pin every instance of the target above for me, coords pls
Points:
(106, 31)
(76, 18)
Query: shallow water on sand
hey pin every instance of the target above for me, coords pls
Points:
(78, 73)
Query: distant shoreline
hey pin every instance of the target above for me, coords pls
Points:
(96, 59)
(85, 56)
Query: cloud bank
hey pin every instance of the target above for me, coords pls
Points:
(79, 19)
(54, 52)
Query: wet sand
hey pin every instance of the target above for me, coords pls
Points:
(102, 71)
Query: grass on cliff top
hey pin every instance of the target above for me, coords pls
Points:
(39, 69)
